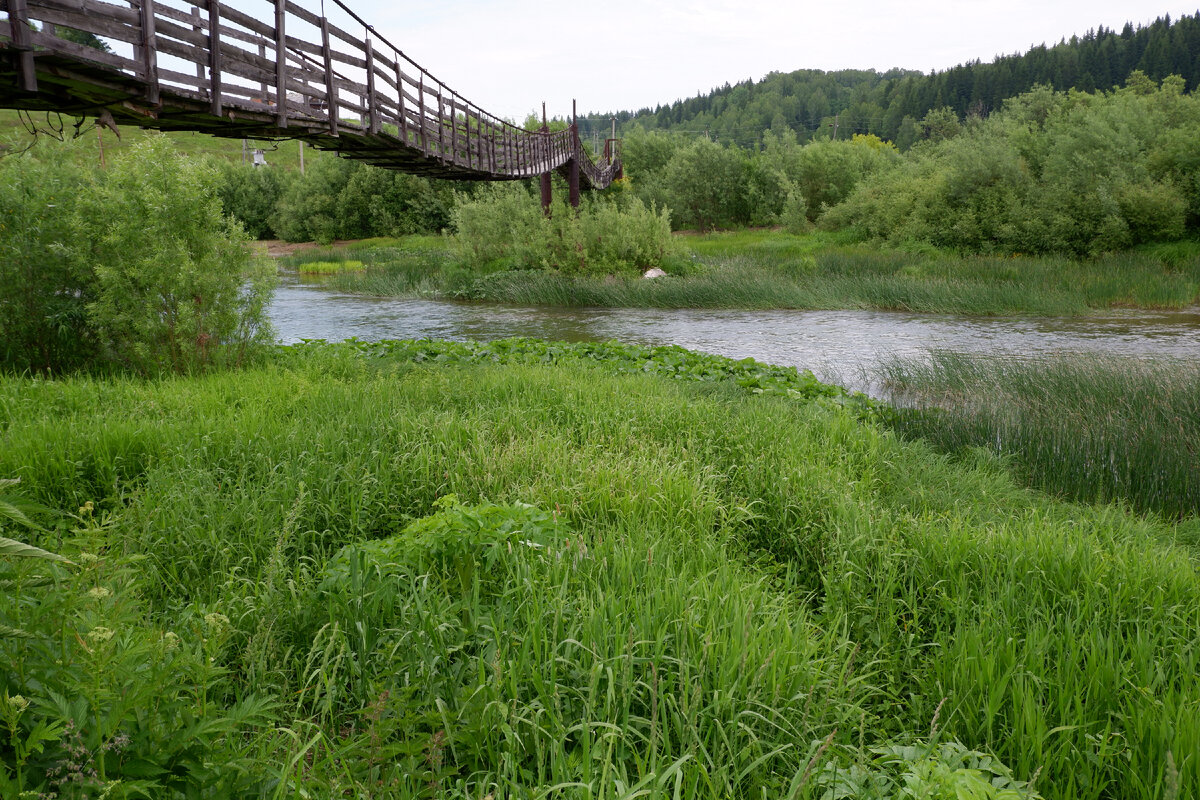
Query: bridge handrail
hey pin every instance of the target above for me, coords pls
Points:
(303, 84)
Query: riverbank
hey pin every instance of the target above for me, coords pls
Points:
(735, 584)
(766, 269)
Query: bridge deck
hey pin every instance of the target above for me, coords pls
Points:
(201, 65)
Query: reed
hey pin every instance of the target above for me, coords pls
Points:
(1094, 428)
(769, 269)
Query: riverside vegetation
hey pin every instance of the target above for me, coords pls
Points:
(422, 569)
(524, 569)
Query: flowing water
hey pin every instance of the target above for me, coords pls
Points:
(838, 346)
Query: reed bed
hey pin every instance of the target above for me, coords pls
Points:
(766, 269)
(1095, 428)
(525, 570)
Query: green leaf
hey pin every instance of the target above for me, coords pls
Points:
(11, 547)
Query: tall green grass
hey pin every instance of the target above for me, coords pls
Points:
(714, 590)
(1096, 428)
(766, 269)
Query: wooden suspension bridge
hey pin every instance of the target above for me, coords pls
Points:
(273, 69)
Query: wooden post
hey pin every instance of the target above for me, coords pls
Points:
(547, 196)
(197, 27)
(214, 56)
(421, 113)
(331, 102)
(441, 126)
(401, 122)
(453, 128)
(262, 87)
(149, 51)
(373, 124)
(18, 20)
(280, 64)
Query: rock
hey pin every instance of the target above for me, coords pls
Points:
(654, 272)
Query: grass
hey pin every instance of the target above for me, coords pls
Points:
(1091, 428)
(329, 267)
(721, 586)
(767, 269)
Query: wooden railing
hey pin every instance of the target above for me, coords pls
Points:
(275, 69)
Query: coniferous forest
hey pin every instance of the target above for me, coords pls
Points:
(891, 104)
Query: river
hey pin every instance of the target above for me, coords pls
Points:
(838, 346)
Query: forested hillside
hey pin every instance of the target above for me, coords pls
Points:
(892, 104)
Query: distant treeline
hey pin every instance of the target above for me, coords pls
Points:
(818, 104)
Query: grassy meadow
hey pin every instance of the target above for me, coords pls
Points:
(523, 570)
(771, 269)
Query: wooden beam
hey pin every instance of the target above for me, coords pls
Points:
(373, 125)
(281, 64)
(18, 18)
(330, 87)
(149, 51)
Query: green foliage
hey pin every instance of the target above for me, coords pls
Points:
(177, 286)
(930, 771)
(251, 194)
(329, 267)
(134, 265)
(1091, 429)
(341, 199)
(503, 226)
(1053, 173)
(45, 284)
(706, 184)
(727, 578)
(905, 106)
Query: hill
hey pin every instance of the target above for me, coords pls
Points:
(822, 105)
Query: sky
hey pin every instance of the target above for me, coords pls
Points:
(614, 55)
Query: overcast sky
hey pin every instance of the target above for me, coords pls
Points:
(628, 54)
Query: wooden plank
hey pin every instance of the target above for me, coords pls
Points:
(303, 13)
(401, 122)
(441, 127)
(372, 101)
(214, 56)
(330, 87)
(248, 22)
(185, 78)
(453, 130)
(128, 33)
(82, 52)
(198, 29)
(89, 8)
(302, 46)
(421, 114)
(281, 63)
(18, 17)
(346, 58)
(338, 33)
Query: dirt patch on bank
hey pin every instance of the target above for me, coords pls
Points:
(277, 248)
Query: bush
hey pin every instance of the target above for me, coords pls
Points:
(136, 265)
(340, 199)
(251, 194)
(504, 227)
(45, 286)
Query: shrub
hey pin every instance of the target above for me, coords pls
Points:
(175, 277)
(136, 265)
(250, 195)
(504, 227)
(45, 284)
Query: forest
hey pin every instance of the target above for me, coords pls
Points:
(836, 105)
